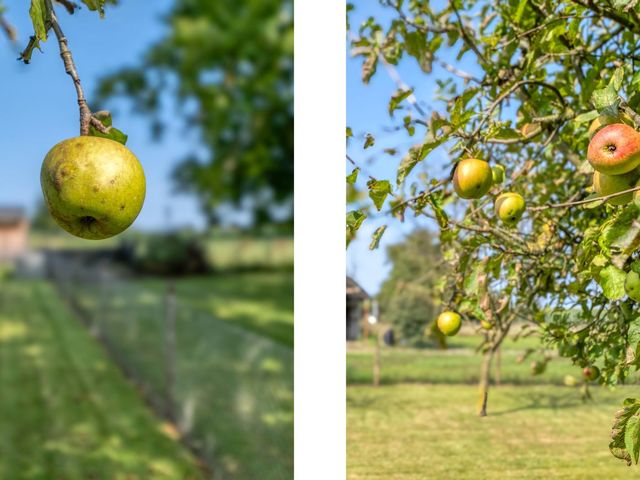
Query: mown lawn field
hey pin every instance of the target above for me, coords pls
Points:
(234, 360)
(416, 432)
(421, 423)
(66, 411)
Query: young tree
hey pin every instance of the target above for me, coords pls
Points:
(406, 297)
(551, 74)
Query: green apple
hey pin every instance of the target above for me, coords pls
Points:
(615, 149)
(472, 178)
(632, 286)
(449, 323)
(604, 184)
(94, 187)
(510, 207)
(497, 174)
(538, 367)
(591, 373)
(604, 120)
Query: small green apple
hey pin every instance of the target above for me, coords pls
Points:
(472, 178)
(449, 323)
(94, 187)
(510, 207)
(591, 373)
(632, 286)
(604, 185)
(497, 174)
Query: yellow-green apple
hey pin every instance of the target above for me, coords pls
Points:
(94, 187)
(509, 207)
(591, 373)
(449, 323)
(604, 184)
(615, 149)
(632, 286)
(472, 178)
(604, 120)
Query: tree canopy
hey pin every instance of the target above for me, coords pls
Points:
(230, 65)
(547, 71)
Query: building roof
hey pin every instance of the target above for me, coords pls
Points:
(355, 291)
(12, 215)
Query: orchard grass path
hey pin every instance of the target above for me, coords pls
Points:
(416, 432)
(67, 411)
(233, 360)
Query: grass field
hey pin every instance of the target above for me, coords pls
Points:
(66, 412)
(234, 361)
(416, 432)
(421, 422)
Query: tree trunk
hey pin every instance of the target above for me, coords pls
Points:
(376, 363)
(496, 373)
(485, 377)
(170, 349)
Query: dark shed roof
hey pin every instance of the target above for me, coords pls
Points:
(12, 215)
(355, 291)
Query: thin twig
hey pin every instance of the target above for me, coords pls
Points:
(9, 29)
(601, 199)
(86, 117)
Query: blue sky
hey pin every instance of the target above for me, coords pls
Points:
(367, 113)
(39, 108)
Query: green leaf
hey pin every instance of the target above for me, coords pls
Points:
(632, 437)
(618, 445)
(397, 99)
(606, 100)
(378, 191)
(612, 282)
(520, 11)
(114, 133)
(369, 141)
(353, 176)
(354, 220)
(622, 236)
(95, 5)
(586, 117)
(441, 216)
(349, 132)
(617, 78)
(377, 235)
(416, 154)
(633, 337)
(39, 18)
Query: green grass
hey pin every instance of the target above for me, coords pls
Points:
(449, 366)
(66, 411)
(407, 432)
(460, 363)
(234, 361)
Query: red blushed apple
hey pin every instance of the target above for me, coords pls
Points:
(615, 149)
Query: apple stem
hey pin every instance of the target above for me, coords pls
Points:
(86, 117)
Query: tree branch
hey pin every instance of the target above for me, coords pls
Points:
(8, 29)
(86, 117)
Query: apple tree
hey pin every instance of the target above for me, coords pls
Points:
(547, 245)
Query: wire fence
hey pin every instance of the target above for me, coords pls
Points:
(226, 390)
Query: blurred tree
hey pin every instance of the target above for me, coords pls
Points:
(408, 297)
(233, 62)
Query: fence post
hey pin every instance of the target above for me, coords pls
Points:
(376, 358)
(170, 348)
